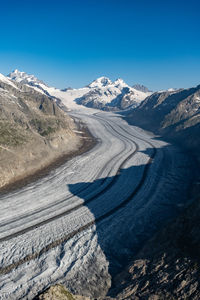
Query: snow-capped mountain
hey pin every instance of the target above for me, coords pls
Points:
(6, 80)
(30, 80)
(100, 82)
(102, 93)
(24, 77)
(108, 95)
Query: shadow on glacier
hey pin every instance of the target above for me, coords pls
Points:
(127, 211)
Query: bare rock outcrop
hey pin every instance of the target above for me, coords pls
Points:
(59, 292)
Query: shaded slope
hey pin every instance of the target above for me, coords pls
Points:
(174, 115)
(168, 267)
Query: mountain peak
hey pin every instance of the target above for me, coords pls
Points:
(119, 82)
(7, 80)
(23, 77)
(100, 82)
(16, 71)
(141, 88)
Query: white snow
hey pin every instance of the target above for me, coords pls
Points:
(20, 76)
(104, 91)
(197, 99)
(120, 83)
(100, 82)
(7, 81)
(36, 89)
(67, 97)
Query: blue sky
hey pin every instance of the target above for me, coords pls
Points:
(70, 43)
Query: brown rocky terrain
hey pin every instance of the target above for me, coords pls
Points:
(58, 292)
(34, 132)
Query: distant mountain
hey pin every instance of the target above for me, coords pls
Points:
(30, 80)
(24, 78)
(141, 88)
(102, 93)
(174, 114)
(100, 82)
(7, 81)
(67, 89)
(107, 95)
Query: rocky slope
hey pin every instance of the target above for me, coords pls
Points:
(58, 292)
(168, 267)
(34, 131)
(142, 88)
(102, 93)
(172, 114)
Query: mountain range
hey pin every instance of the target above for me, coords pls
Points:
(102, 93)
(174, 113)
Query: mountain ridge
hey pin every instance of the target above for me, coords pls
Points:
(34, 131)
(101, 93)
(173, 114)
(141, 87)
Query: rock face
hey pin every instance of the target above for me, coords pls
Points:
(141, 87)
(59, 292)
(34, 131)
(173, 114)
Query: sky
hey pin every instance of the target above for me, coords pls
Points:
(72, 42)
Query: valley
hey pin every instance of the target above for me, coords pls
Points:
(100, 150)
(70, 221)
(81, 223)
